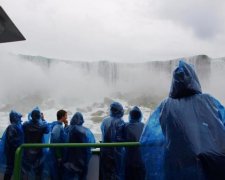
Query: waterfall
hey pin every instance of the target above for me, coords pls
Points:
(31, 80)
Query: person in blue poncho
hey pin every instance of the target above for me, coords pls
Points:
(13, 139)
(134, 166)
(58, 135)
(34, 131)
(112, 127)
(184, 138)
(76, 159)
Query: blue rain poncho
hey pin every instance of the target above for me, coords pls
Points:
(134, 166)
(112, 159)
(2, 151)
(184, 138)
(11, 140)
(76, 159)
(34, 131)
(58, 134)
(55, 155)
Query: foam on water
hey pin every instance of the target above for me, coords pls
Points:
(90, 116)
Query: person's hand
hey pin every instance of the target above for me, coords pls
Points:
(66, 123)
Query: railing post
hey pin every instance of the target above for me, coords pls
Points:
(17, 163)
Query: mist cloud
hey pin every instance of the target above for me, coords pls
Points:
(25, 84)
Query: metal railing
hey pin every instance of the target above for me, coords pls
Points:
(18, 155)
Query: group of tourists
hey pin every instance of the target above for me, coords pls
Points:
(72, 163)
(57, 163)
(184, 138)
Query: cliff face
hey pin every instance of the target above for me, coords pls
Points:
(113, 72)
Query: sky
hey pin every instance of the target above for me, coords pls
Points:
(117, 30)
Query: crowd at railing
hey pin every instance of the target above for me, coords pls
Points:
(68, 163)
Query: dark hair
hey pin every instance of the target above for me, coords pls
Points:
(35, 115)
(135, 114)
(60, 114)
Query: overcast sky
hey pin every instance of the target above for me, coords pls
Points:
(118, 30)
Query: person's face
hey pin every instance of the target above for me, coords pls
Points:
(64, 118)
